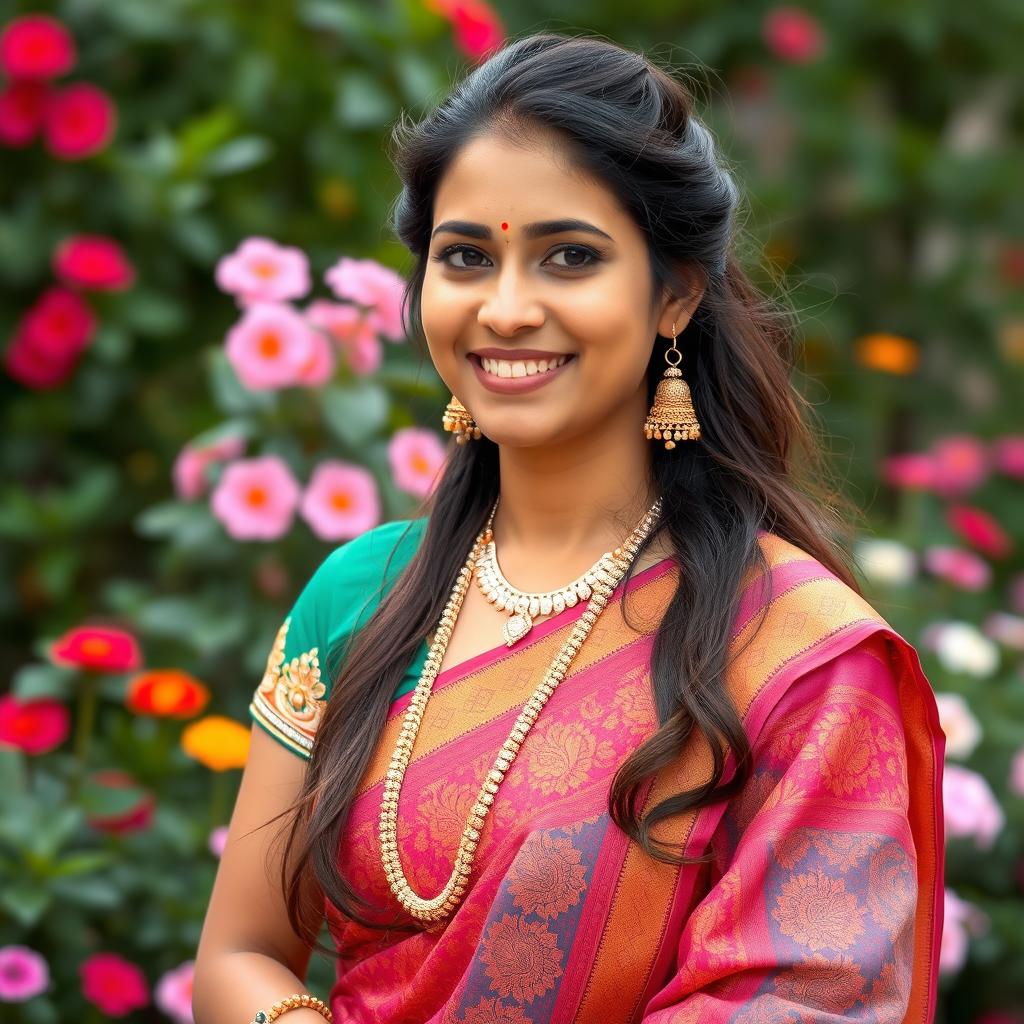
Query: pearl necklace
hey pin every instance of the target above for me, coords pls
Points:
(435, 910)
(523, 605)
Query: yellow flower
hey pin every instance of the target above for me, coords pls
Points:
(887, 352)
(217, 742)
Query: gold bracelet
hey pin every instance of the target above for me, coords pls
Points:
(293, 1003)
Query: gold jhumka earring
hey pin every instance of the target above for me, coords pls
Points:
(671, 417)
(458, 421)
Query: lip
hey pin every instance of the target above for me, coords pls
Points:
(515, 385)
(512, 354)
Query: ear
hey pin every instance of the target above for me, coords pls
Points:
(680, 309)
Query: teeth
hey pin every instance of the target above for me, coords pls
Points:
(520, 367)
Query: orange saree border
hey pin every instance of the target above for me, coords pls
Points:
(810, 616)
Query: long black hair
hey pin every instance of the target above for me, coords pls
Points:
(758, 465)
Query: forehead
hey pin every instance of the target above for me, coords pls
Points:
(492, 179)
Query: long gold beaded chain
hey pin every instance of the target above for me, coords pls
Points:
(434, 911)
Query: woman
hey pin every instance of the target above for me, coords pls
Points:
(607, 733)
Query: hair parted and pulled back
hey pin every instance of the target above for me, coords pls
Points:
(630, 125)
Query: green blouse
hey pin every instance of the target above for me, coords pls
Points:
(337, 601)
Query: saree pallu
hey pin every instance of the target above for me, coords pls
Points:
(824, 898)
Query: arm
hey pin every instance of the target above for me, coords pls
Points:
(811, 911)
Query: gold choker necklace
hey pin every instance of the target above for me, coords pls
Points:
(435, 910)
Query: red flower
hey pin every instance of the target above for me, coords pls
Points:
(32, 366)
(114, 985)
(101, 648)
(478, 30)
(166, 691)
(977, 527)
(22, 106)
(60, 324)
(793, 35)
(93, 261)
(913, 472)
(136, 818)
(79, 121)
(36, 46)
(33, 726)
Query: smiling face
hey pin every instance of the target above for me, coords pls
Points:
(531, 261)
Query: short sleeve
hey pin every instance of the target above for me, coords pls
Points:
(337, 599)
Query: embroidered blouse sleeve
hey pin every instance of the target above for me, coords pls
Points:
(811, 907)
(288, 702)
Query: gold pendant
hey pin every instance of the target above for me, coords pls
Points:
(516, 627)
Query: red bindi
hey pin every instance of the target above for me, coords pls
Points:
(504, 225)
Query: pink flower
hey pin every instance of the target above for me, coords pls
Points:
(319, 368)
(173, 993)
(1017, 773)
(96, 649)
(962, 568)
(793, 35)
(970, 806)
(980, 529)
(1016, 593)
(1008, 455)
(218, 840)
(256, 499)
(270, 346)
(377, 287)
(260, 270)
(80, 120)
(114, 985)
(60, 324)
(93, 261)
(36, 46)
(960, 920)
(478, 29)
(33, 726)
(961, 728)
(22, 106)
(416, 457)
(33, 367)
(24, 974)
(352, 331)
(912, 472)
(961, 464)
(1006, 629)
(341, 501)
(193, 460)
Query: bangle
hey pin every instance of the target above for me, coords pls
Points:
(293, 1003)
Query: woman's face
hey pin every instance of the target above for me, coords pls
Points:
(504, 282)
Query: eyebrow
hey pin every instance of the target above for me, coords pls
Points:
(538, 229)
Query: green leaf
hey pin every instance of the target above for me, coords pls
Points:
(230, 394)
(357, 412)
(96, 893)
(238, 155)
(82, 863)
(360, 102)
(38, 680)
(25, 902)
(54, 830)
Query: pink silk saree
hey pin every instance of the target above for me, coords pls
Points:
(823, 902)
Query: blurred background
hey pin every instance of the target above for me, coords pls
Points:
(177, 457)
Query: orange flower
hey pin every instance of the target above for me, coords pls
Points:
(217, 742)
(101, 648)
(887, 352)
(168, 692)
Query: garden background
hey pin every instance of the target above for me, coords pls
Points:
(146, 149)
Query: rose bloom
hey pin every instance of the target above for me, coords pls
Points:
(373, 285)
(793, 35)
(93, 261)
(114, 985)
(59, 324)
(80, 120)
(961, 464)
(963, 733)
(971, 808)
(22, 105)
(962, 568)
(24, 974)
(33, 726)
(980, 529)
(416, 457)
(260, 270)
(256, 499)
(173, 993)
(270, 347)
(35, 368)
(341, 501)
(99, 648)
(352, 331)
(36, 46)
(1008, 455)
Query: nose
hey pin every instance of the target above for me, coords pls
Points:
(510, 305)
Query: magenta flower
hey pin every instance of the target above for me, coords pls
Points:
(960, 920)
(1017, 773)
(270, 346)
(961, 464)
(60, 324)
(319, 368)
(911, 472)
(1016, 593)
(260, 270)
(115, 986)
(478, 29)
(36, 46)
(374, 286)
(94, 262)
(962, 568)
(970, 806)
(33, 726)
(980, 530)
(173, 993)
(80, 120)
(416, 456)
(352, 331)
(341, 501)
(22, 106)
(793, 35)
(34, 367)
(218, 840)
(24, 974)
(256, 499)
(192, 462)
(1008, 455)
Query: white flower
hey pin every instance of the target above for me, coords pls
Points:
(1006, 628)
(887, 561)
(963, 733)
(962, 647)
